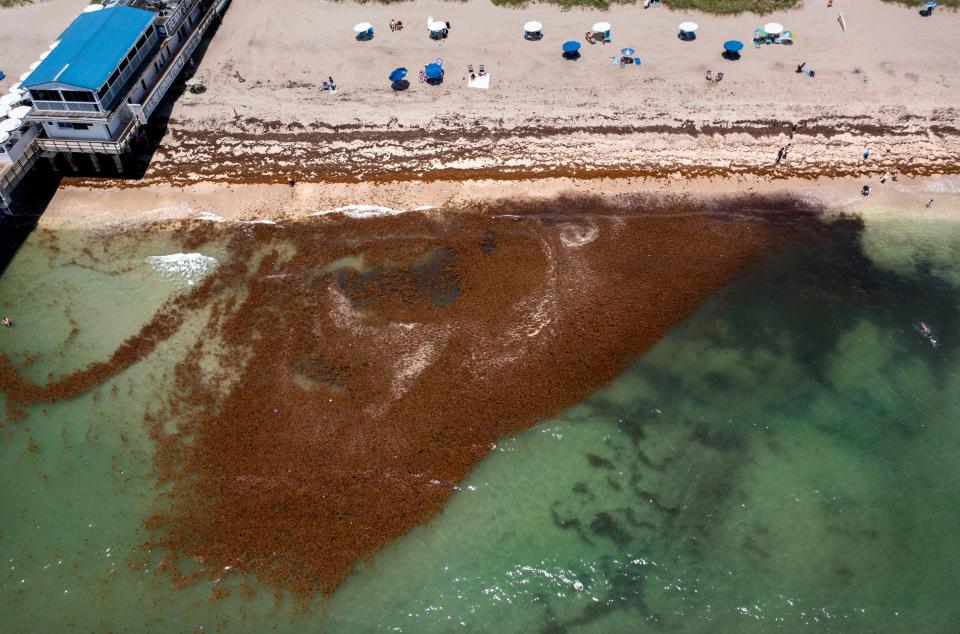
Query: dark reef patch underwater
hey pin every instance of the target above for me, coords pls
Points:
(744, 429)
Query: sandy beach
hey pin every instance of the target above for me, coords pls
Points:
(265, 119)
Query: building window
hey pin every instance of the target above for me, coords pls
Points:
(81, 96)
(46, 95)
(142, 41)
(73, 126)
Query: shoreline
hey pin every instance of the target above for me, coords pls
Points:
(124, 207)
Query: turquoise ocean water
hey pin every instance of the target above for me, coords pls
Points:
(785, 460)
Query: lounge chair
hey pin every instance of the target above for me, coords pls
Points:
(787, 38)
(482, 70)
(636, 60)
(469, 68)
(606, 38)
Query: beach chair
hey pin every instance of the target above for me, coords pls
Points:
(606, 38)
(482, 70)
(636, 61)
(787, 38)
(469, 68)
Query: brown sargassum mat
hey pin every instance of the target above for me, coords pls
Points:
(351, 371)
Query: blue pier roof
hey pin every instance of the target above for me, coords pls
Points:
(91, 48)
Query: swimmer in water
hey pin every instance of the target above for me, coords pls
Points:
(6, 322)
(925, 329)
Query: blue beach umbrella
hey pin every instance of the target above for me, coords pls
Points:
(433, 71)
(733, 46)
(398, 74)
(930, 5)
(627, 52)
(571, 46)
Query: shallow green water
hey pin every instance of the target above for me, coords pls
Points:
(785, 460)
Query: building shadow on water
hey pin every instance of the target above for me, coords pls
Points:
(34, 193)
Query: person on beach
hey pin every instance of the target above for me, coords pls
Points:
(6, 320)
(709, 75)
(865, 191)
(930, 203)
(866, 155)
(779, 156)
(393, 25)
(800, 67)
(720, 76)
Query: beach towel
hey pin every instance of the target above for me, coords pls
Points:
(480, 81)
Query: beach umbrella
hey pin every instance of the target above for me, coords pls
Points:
(9, 99)
(34, 65)
(4, 110)
(433, 71)
(9, 125)
(363, 27)
(54, 44)
(436, 27)
(773, 28)
(571, 46)
(627, 52)
(398, 74)
(733, 46)
(929, 5)
(4, 136)
(43, 55)
(19, 112)
(24, 76)
(532, 27)
(688, 27)
(16, 90)
(92, 8)
(601, 27)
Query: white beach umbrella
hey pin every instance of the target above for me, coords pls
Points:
(532, 27)
(4, 136)
(9, 125)
(92, 8)
(4, 110)
(43, 55)
(34, 65)
(20, 112)
(363, 27)
(54, 45)
(688, 27)
(436, 27)
(16, 89)
(24, 76)
(773, 28)
(601, 27)
(9, 100)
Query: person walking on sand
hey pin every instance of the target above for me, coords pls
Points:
(866, 155)
(779, 156)
(930, 203)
